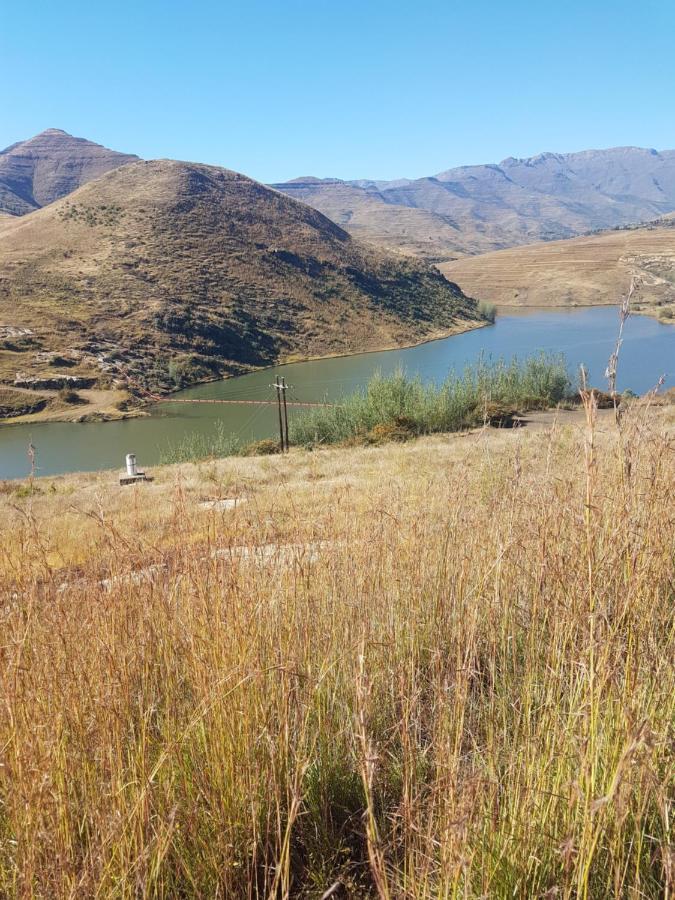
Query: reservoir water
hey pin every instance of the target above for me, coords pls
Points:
(583, 335)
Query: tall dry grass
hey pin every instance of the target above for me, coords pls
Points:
(443, 669)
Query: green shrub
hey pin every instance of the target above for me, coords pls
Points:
(28, 489)
(487, 310)
(484, 392)
(68, 395)
(187, 370)
(194, 447)
(397, 408)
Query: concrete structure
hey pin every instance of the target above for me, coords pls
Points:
(133, 473)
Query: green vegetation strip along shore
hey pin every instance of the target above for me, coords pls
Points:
(402, 405)
(397, 407)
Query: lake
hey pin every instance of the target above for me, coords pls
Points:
(583, 335)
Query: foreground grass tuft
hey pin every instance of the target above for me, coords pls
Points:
(437, 669)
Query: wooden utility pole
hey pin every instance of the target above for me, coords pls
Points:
(277, 388)
(281, 387)
(283, 390)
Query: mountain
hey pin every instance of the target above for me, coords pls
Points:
(168, 272)
(477, 209)
(459, 212)
(369, 215)
(50, 165)
(596, 269)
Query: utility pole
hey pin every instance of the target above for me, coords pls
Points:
(32, 450)
(281, 388)
(284, 389)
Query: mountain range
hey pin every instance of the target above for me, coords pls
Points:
(477, 209)
(458, 212)
(156, 274)
(163, 273)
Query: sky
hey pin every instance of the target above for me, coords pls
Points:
(345, 89)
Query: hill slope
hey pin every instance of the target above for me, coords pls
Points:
(50, 165)
(169, 271)
(475, 209)
(596, 269)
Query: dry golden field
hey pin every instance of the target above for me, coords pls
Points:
(584, 271)
(436, 669)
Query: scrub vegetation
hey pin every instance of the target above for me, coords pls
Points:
(434, 669)
(399, 407)
(162, 274)
(485, 392)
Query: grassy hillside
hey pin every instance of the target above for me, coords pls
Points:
(436, 669)
(167, 272)
(596, 269)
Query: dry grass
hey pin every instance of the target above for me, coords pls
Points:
(95, 405)
(438, 669)
(584, 271)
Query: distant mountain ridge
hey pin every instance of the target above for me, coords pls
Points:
(169, 272)
(458, 212)
(477, 209)
(49, 166)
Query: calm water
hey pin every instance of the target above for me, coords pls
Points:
(583, 335)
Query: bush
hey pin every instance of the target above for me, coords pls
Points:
(266, 447)
(62, 362)
(485, 392)
(194, 447)
(68, 395)
(500, 415)
(487, 310)
(397, 408)
(187, 370)
(399, 429)
(603, 399)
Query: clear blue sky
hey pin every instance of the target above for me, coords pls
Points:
(350, 89)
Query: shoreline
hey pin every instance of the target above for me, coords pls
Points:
(651, 311)
(101, 413)
(532, 421)
(105, 408)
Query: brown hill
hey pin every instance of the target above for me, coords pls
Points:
(169, 272)
(595, 269)
(50, 165)
(476, 209)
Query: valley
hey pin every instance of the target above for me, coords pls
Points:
(175, 430)
(337, 417)
(121, 278)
